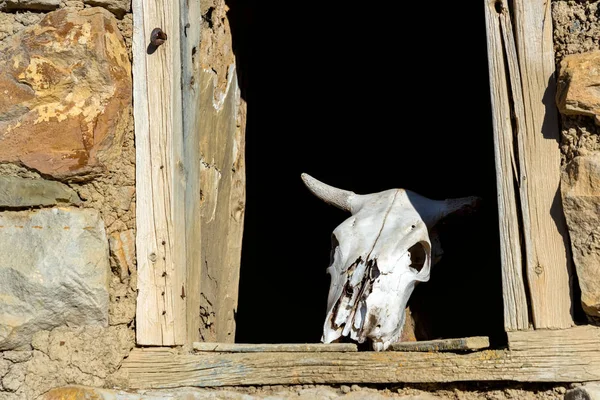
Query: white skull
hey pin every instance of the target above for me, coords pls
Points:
(378, 255)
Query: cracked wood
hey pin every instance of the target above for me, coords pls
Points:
(458, 344)
(502, 56)
(160, 176)
(222, 184)
(190, 43)
(569, 355)
(526, 138)
(548, 256)
(273, 347)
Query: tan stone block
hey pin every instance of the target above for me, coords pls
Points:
(581, 204)
(578, 85)
(65, 94)
(122, 249)
(72, 393)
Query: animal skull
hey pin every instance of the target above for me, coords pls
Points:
(378, 255)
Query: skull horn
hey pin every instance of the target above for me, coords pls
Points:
(432, 211)
(461, 206)
(340, 198)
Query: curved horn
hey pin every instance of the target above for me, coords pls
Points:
(461, 206)
(330, 195)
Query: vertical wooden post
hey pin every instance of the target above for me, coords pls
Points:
(222, 182)
(190, 54)
(522, 91)
(236, 207)
(190, 182)
(501, 52)
(160, 180)
(545, 231)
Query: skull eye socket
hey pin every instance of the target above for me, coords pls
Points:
(417, 257)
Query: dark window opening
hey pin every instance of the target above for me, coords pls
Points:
(364, 100)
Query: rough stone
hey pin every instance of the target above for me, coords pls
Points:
(4, 367)
(31, 5)
(15, 377)
(581, 202)
(11, 23)
(585, 392)
(122, 251)
(117, 7)
(17, 356)
(54, 271)
(61, 115)
(18, 192)
(577, 86)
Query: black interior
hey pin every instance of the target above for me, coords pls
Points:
(364, 98)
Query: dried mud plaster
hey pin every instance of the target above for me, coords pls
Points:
(576, 30)
(216, 52)
(84, 356)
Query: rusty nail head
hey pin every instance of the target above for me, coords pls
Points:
(157, 37)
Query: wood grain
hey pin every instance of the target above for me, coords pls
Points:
(273, 347)
(457, 344)
(222, 204)
(571, 355)
(190, 60)
(160, 180)
(578, 339)
(544, 227)
(513, 285)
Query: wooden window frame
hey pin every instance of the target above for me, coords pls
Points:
(543, 345)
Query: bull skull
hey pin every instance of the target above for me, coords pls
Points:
(378, 255)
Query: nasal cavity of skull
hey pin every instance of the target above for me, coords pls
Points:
(352, 267)
(417, 257)
(373, 269)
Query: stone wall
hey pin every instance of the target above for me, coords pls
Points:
(67, 194)
(576, 41)
(67, 188)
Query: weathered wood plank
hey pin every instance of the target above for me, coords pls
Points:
(533, 360)
(273, 347)
(513, 287)
(457, 344)
(222, 188)
(578, 339)
(545, 232)
(237, 207)
(190, 44)
(160, 183)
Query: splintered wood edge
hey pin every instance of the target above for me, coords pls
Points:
(502, 57)
(458, 344)
(268, 347)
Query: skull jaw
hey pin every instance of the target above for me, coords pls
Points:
(378, 316)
